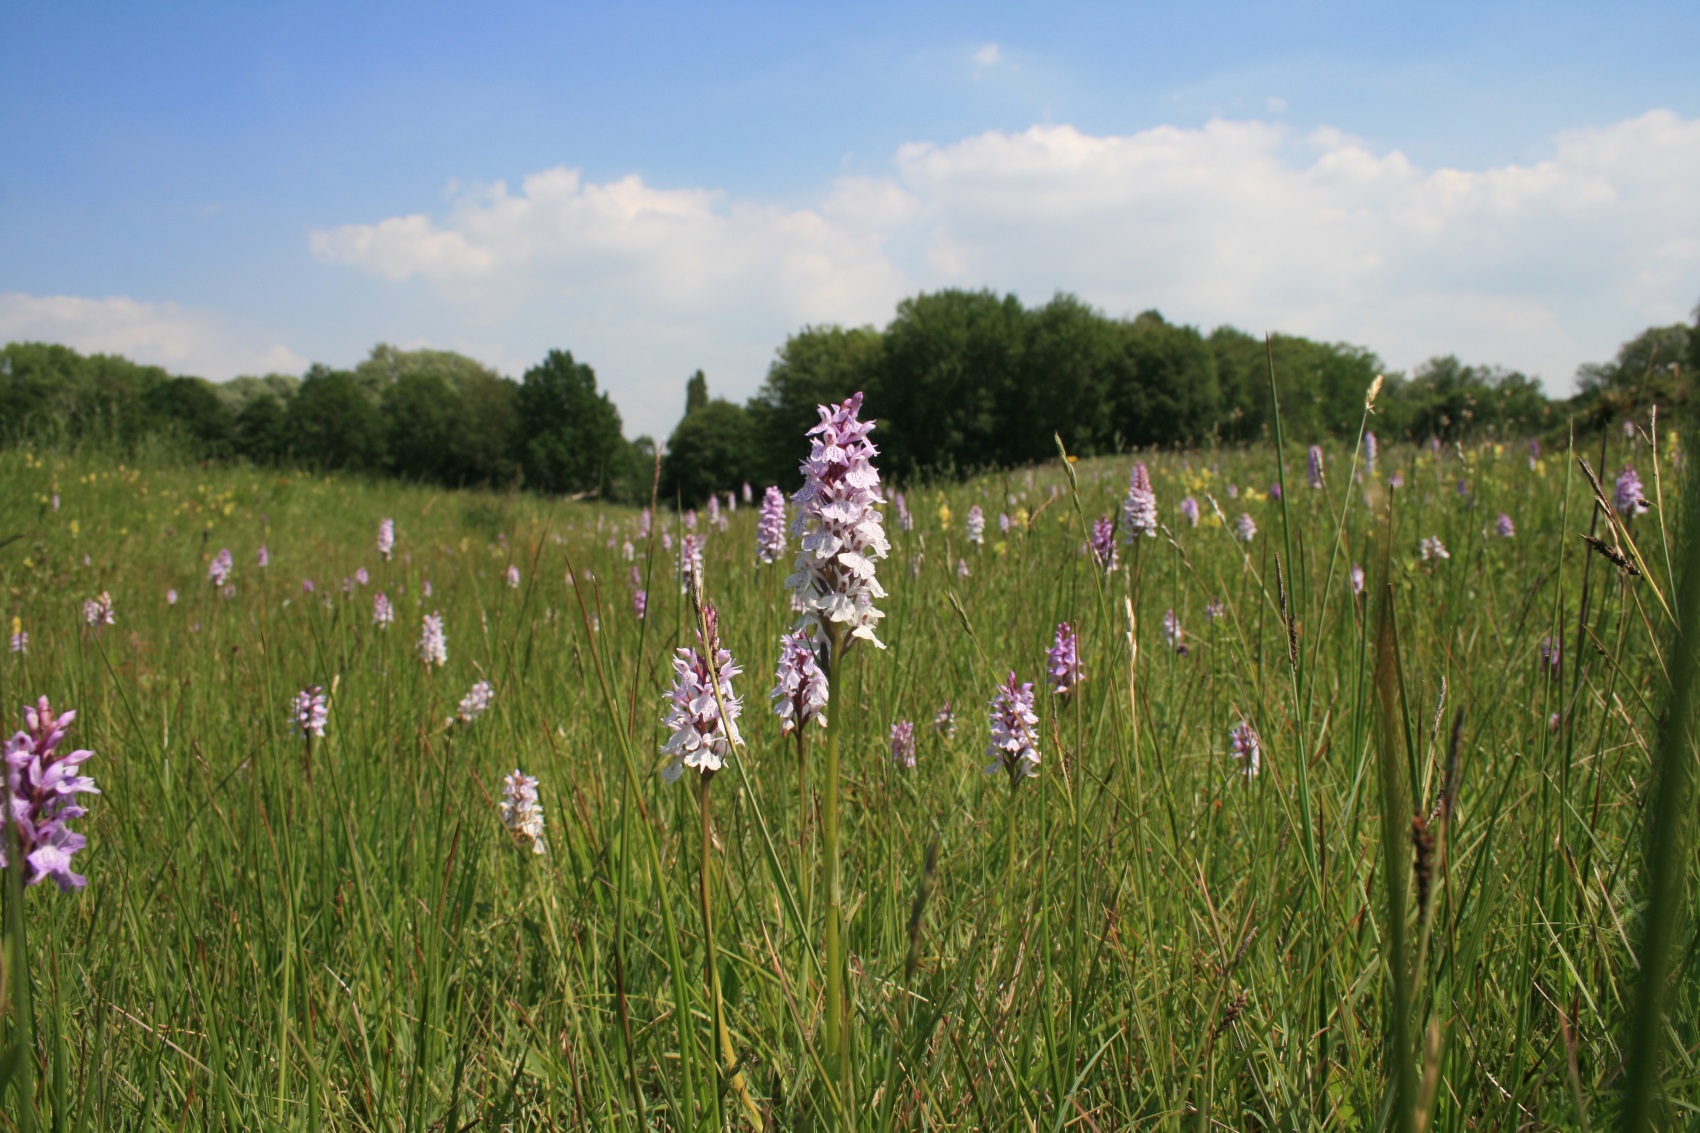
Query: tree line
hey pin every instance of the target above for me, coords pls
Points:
(966, 380)
(430, 416)
(959, 381)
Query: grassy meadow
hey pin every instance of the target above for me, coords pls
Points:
(284, 934)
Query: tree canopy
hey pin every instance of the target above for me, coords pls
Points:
(958, 380)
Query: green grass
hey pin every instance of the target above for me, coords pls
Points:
(1140, 938)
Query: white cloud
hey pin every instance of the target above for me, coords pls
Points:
(1539, 266)
(180, 339)
(988, 55)
(680, 251)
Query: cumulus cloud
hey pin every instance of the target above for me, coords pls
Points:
(1540, 266)
(180, 339)
(684, 252)
(988, 55)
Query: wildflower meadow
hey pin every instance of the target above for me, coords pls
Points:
(1225, 788)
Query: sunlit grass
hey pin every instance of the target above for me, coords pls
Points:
(1141, 937)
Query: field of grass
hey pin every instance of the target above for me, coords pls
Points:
(341, 933)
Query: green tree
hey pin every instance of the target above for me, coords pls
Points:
(331, 423)
(421, 414)
(817, 366)
(239, 391)
(1322, 385)
(633, 480)
(952, 361)
(1648, 370)
(1446, 398)
(569, 435)
(696, 393)
(448, 419)
(483, 442)
(262, 429)
(191, 408)
(712, 449)
(1165, 389)
(1069, 363)
(387, 364)
(37, 383)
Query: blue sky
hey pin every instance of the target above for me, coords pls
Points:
(227, 189)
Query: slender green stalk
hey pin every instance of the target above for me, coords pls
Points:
(20, 1052)
(1668, 855)
(732, 1077)
(1395, 865)
(837, 1022)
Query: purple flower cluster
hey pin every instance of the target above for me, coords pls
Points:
(521, 812)
(1534, 452)
(1431, 549)
(263, 557)
(903, 743)
(383, 614)
(905, 521)
(1629, 497)
(1313, 466)
(1173, 634)
(98, 612)
(1139, 509)
(386, 538)
(1062, 661)
(1357, 579)
(1189, 511)
(1104, 543)
(433, 644)
(474, 703)
(640, 599)
(42, 788)
(714, 518)
(1246, 528)
(1371, 449)
(1505, 528)
(800, 690)
(976, 525)
(700, 739)
(841, 530)
(1243, 746)
(307, 713)
(1550, 658)
(944, 723)
(690, 560)
(1015, 744)
(770, 526)
(218, 572)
